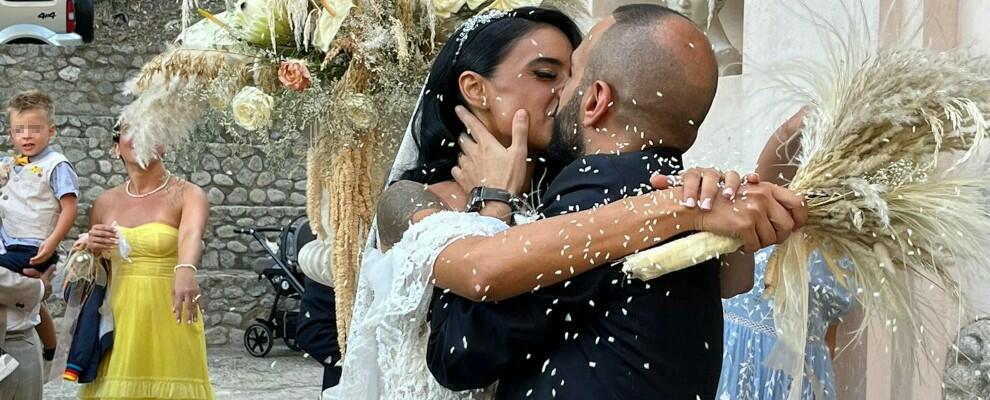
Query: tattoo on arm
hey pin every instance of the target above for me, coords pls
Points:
(397, 206)
(177, 197)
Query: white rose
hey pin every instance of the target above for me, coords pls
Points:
(252, 108)
(473, 4)
(361, 111)
(332, 17)
(446, 8)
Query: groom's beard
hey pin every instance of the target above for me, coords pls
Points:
(566, 144)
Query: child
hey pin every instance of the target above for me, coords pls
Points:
(37, 203)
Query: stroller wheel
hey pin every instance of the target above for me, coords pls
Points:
(291, 343)
(258, 339)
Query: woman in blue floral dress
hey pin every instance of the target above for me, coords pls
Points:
(749, 332)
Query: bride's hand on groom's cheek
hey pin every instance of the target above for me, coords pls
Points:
(702, 185)
(484, 161)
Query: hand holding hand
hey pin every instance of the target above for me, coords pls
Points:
(702, 185)
(761, 215)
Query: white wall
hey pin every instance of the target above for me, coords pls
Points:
(974, 25)
(749, 108)
(974, 32)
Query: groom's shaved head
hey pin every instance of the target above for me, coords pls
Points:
(661, 68)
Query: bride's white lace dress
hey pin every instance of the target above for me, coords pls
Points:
(386, 349)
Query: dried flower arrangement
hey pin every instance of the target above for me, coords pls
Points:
(341, 75)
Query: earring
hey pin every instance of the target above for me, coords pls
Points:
(114, 153)
(484, 101)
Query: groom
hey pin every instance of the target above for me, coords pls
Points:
(642, 84)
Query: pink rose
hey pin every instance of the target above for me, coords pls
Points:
(294, 75)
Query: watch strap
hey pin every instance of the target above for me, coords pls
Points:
(480, 195)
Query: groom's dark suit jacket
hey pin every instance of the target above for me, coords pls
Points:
(599, 335)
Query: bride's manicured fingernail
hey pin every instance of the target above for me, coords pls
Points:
(728, 192)
(690, 202)
(706, 204)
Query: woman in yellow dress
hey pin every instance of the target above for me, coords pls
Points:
(152, 228)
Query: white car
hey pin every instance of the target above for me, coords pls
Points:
(54, 22)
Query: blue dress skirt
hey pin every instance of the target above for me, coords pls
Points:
(750, 336)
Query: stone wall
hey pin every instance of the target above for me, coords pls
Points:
(86, 83)
(143, 22)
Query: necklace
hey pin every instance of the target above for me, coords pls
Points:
(127, 188)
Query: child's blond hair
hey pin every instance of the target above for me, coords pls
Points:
(31, 100)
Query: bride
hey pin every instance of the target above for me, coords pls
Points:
(495, 64)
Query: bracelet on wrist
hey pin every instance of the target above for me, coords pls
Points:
(190, 266)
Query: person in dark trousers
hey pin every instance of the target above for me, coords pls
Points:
(316, 332)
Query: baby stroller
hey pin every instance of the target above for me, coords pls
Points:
(282, 272)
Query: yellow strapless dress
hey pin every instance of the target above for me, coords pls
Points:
(152, 356)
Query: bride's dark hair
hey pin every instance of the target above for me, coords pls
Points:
(436, 126)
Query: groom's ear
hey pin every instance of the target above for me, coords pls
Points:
(472, 86)
(596, 104)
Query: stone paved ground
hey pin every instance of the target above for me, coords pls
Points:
(283, 374)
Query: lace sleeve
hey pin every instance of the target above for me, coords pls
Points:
(386, 355)
(433, 234)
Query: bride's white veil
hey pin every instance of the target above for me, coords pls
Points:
(386, 344)
(405, 158)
